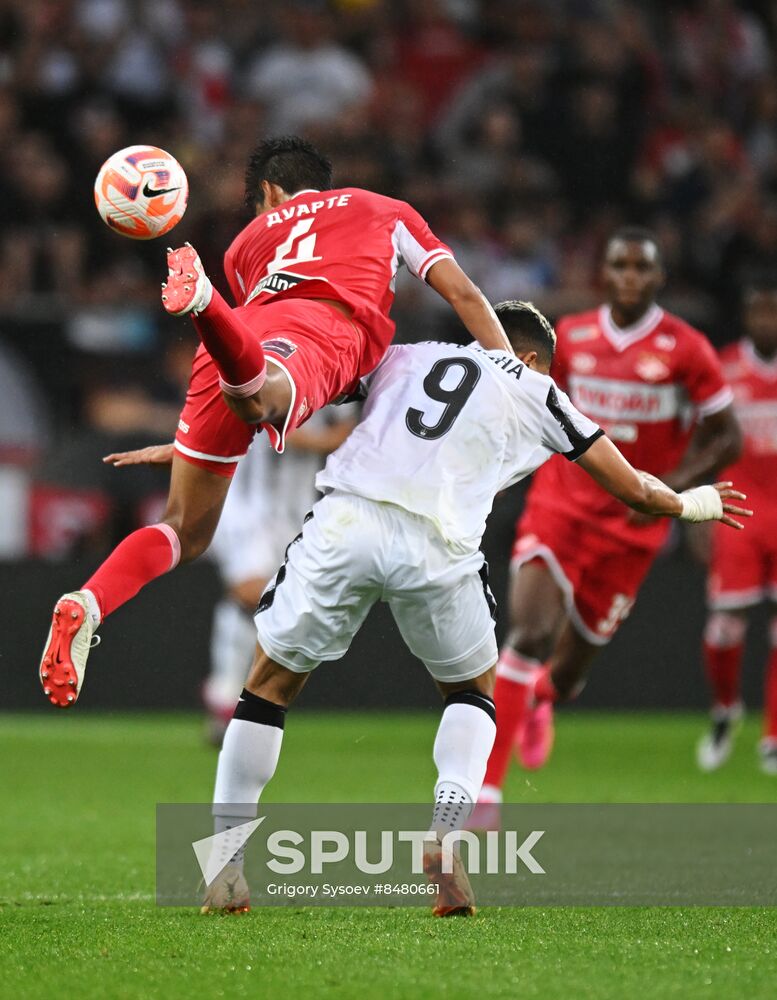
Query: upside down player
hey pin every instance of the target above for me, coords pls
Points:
(313, 274)
(460, 424)
(647, 378)
(743, 575)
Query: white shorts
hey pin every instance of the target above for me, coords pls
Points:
(354, 552)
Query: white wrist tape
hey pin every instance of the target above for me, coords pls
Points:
(703, 503)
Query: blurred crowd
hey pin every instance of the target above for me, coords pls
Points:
(524, 130)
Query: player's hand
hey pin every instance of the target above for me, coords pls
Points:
(726, 494)
(155, 454)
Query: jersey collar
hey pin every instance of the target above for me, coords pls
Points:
(623, 337)
(766, 369)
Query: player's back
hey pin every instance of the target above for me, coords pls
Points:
(344, 245)
(446, 427)
(754, 384)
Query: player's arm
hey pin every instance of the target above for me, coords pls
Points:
(470, 304)
(323, 440)
(716, 444)
(648, 495)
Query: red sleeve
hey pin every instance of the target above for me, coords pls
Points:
(704, 380)
(417, 244)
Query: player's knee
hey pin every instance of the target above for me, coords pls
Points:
(250, 409)
(532, 639)
(194, 538)
(725, 629)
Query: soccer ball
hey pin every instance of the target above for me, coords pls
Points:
(141, 192)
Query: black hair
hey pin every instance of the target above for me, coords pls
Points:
(635, 234)
(527, 329)
(288, 161)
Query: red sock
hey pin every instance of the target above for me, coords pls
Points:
(514, 676)
(770, 694)
(723, 672)
(724, 642)
(234, 347)
(140, 558)
(544, 688)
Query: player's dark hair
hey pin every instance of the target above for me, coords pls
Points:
(635, 234)
(527, 329)
(288, 161)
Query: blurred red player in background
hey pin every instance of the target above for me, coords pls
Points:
(656, 386)
(743, 571)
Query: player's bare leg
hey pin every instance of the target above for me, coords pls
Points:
(562, 677)
(247, 761)
(724, 643)
(193, 509)
(461, 749)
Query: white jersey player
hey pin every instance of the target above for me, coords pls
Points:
(264, 510)
(407, 497)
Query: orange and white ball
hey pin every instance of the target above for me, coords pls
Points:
(141, 192)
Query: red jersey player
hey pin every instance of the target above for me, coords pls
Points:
(744, 572)
(313, 275)
(655, 385)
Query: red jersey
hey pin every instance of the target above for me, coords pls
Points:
(754, 384)
(646, 386)
(345, 245)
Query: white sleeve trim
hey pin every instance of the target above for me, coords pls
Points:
(209, 458)
(417, 257)
(433, 258)
(717, 402)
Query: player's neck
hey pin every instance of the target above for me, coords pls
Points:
(625, 318)
(284, 197)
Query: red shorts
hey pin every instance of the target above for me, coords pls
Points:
(598, 576)
(318, 349)
(743, 569)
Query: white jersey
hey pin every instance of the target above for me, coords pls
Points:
(445, 428)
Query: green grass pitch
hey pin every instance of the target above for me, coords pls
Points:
(77, 916)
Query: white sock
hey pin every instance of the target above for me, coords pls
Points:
(247, 761)
(232, 647)
(93, 607)
(461, 751)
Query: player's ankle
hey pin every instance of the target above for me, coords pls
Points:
(93, 607)
(490, 795)
(204, 296)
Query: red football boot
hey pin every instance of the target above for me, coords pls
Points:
(67, 649)
(188, 288)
